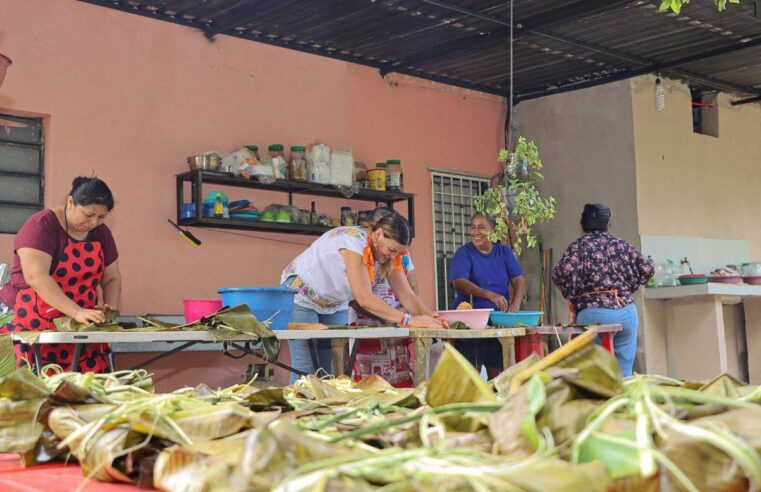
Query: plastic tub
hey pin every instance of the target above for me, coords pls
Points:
(753, 280)
(527, 318)
(196, 309)
(264, 302)
(732, 279)
(476, 319)
(693, 279)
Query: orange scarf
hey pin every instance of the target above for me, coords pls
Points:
(368, 259)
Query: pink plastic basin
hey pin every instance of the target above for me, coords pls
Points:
(196, 309)
(476, 319)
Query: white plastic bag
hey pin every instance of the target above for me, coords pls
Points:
(341, 167)
(318, 163)
(240, 160)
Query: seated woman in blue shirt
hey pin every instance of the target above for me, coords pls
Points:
(489, 274)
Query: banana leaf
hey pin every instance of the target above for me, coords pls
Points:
(514, 428)
(7, 356)
(724, 385)
(596, 371)
(566, 411)
(19, 428)
(105, 454)
(23, 385)
(504, 379)
(6, 318)
(311, 392)
(455, 380)
(196, 424)
(455, 470)
(66, 323)
(45, 450)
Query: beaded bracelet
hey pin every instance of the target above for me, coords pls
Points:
(406, 317)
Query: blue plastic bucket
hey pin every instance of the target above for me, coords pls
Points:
(264, 302)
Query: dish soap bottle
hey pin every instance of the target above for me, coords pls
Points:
(651, 282)
(219, 207)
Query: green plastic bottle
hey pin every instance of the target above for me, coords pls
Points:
(651, 283)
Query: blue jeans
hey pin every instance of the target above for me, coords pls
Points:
(301, 356)
(624, 341)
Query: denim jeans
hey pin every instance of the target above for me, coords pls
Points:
(624, 341)
(301, 356)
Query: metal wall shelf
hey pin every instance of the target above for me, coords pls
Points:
(199, 178)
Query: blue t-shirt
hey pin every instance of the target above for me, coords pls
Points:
(491, 271)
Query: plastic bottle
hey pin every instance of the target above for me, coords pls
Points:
(663, 274)
(219, 206)
(673, 271)
(651, 282)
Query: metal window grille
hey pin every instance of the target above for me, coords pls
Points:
(21, 170)
(452, 208)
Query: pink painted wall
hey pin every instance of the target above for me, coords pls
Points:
(129, 98)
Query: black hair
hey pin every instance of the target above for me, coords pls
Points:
(377, 215)
(394, 227)
(595, 217)
(489, 218)
(91, 191)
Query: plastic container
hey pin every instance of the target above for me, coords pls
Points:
(476, 319)
(298, 164)
(377, 177)
(347, 218)
(275, 303)
(527, 318)
(254, 150)
(196, 309)
(394, 175)
(753, 280)
(693, 279)
(651, 283)
(279, 164)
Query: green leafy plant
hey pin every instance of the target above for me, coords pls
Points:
(676, 5)
(517, 206)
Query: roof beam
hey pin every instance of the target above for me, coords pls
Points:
(473, 42)
(649, 67)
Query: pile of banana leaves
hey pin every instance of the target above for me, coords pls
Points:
(567, 422)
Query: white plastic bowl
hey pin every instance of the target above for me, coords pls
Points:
(476, 319)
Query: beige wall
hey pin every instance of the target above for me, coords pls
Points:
(585, 143)
(697, 185)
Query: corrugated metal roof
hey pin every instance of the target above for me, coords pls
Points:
(559, 45)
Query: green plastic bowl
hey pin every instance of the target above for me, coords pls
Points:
(693, 279)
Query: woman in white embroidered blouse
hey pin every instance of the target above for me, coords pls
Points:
(340, 267)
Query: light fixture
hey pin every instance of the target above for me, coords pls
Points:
(660, 99)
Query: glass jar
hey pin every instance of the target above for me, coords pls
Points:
(394, 176)
(298, 167)
(279, 164)
(254, 149)
(377, 177)
(347, 219)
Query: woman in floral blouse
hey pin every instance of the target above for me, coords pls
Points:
(598, 274)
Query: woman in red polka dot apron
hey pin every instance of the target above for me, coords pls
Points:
(61, 257)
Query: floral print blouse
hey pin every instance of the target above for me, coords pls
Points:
(600, 262)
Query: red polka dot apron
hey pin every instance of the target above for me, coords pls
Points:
(78, 272)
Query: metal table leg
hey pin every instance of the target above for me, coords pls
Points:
(313, 352)
(352, 358)
(74, 366)
(37, 358)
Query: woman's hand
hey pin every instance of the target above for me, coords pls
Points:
(500, 301)
(441, 319)
(87, 316)
(424, 321)
(514, 308)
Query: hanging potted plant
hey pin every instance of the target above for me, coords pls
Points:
(517, 204)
